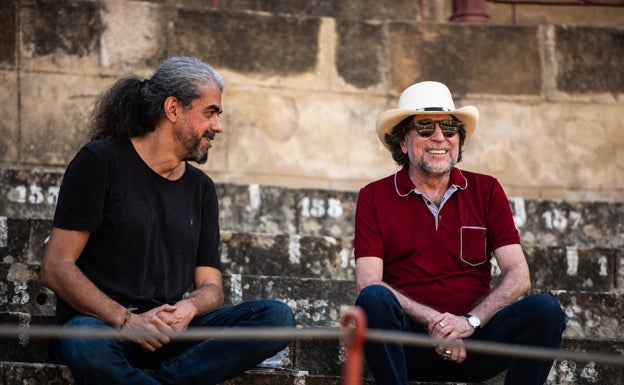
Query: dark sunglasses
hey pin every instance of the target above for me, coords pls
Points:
(426, 127)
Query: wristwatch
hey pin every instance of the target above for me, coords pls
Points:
(474, 321)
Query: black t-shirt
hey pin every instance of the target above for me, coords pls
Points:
(148, 233)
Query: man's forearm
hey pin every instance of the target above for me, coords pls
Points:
(73, 287)
(206, 298)
(508, 291)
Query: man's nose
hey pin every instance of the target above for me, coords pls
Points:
(216, 125)
(437, 132)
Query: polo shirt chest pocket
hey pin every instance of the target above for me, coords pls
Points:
(473, 248)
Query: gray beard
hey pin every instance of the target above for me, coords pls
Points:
(196, 154)
(429, 169)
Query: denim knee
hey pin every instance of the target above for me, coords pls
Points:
(80, 351)
(283, 315)
(373, 296)
(85, 353)
(382, 308)
(546, 308)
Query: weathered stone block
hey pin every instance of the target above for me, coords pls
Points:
(24, 240)
(264, 44)
(359, 52)
(572, 269)
(17, 236)
(326, 212)
(320, 356)
(588, 372)
(264, 376)
(20, 291)
(348, 9)
(53, 39)
(8, 14)
(256, 209)
(589, 59)
(274, 210)
(16, 373)
(134, 36)
(28, 193)
(286, 256)
(55, 136)
(9, 125)
(592, 315)
(24, 348)
(300, 130)
(565, 223)
(492, 60)
(314, 302)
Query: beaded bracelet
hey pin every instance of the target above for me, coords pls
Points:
(129, 311)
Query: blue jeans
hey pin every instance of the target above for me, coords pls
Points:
(110, 362)
(536, 320)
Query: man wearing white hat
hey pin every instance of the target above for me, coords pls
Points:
(423, 241)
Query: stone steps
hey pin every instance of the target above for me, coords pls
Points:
(314, 372)
(321, 301)
(278, 210)
(295, 245)
(14, 373)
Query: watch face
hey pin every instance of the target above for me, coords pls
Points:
(474, 321)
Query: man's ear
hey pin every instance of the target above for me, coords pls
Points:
(403, 146)
(172, 108)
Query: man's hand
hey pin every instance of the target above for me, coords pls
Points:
(150, 321)
(178, 316)
(449, 327)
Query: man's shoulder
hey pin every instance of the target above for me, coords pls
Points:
(197, 174)
(380, 183)
(105, 147)
(472, 176)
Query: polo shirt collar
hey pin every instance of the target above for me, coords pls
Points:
(404, 186)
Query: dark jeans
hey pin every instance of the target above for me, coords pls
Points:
(535, 320)
(110, 362)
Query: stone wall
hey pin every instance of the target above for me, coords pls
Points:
(306, 81)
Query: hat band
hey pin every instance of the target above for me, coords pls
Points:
(432, 109)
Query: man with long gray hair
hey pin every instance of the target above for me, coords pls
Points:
(135, 236)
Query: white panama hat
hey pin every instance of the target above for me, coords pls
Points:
(426, 98)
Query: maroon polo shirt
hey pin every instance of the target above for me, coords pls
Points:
(441, 262)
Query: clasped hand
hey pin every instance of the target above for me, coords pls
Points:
(164, 319)
(449, 327)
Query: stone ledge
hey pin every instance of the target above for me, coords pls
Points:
(29, 198)
(563, 373)
(14, 373)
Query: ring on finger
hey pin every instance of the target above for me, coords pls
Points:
(441, 324)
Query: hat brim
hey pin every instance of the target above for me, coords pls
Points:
(386, 122)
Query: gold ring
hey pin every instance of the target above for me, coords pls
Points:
(447, 352)
(441, 324)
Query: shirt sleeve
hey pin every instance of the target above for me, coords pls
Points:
(367, 241)
(81, 197)
(208, 249)
(502, 229)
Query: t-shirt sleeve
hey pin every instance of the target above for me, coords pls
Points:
(502, 229)
(367, 241)
(208, 248)
(81, 197)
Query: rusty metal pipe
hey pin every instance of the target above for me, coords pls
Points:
(353, 366)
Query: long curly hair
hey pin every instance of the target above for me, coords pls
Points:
(132, 107)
